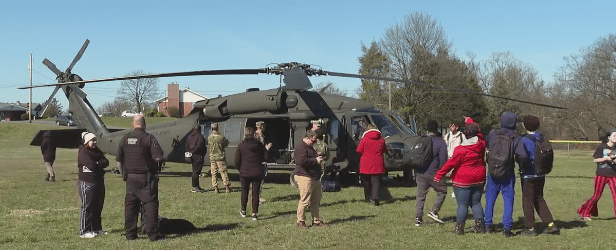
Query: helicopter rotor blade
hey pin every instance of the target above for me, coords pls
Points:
(322, 90)
(52, 67)
(438, 87)
(78, 56)
(50, 98)
(176, 74)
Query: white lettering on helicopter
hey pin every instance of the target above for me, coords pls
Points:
(131, 141)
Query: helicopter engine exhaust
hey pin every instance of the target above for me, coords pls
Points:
(273, 101)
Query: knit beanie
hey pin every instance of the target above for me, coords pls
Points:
(531, 122)
(87, 137)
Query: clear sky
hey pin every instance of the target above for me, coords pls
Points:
(169, 36)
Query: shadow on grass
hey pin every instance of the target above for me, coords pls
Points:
(278, 214)
(350, 219)
(291, 197)
(569, 177)
(176, 228)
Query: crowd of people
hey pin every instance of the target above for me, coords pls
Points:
(477, 164)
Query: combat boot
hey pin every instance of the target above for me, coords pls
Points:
(216, 190)
(227, 189)
(480, 227)
(459, 229)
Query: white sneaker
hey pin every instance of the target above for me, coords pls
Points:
(88, 235)
(101, 232)
(243, 213)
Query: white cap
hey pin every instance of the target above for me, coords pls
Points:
(87, 137)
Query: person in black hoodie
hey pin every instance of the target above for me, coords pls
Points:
(195, 146)
(250, 160)
(48, 149)
(91, 163)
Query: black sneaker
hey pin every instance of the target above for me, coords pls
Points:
(418, 221)
(491, 229)
(197, 190)
(255, 216)
(552, 230)
(528, 232)
(243, 213)
(157, 237)
(507, 233)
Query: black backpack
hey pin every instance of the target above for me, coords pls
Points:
(421, 152)
(500, 155)
(544, 155)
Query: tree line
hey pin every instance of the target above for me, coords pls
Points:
(417, 49)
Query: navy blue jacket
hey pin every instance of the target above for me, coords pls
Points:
(508, 124)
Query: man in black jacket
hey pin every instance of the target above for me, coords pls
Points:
(141, 156)
(196, 149)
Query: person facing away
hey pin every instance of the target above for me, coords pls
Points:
(141, 156)
(532, 183)
(217, 144)
(371, 163)
(425, 175)
(250, 162)
(308, 178)
(506, 184)
(91, 185)
(468, 177)
(195, 146)
(48, 149)
(605, 174)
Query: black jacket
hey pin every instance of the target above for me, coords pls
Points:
(139, 152)
(249, 158)
(91, 163)
(195, 143)
(48, 148)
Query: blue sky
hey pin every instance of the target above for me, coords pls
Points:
(170, 36)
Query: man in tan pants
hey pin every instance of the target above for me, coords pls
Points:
(307, 176)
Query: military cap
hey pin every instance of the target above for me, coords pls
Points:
(260, 124)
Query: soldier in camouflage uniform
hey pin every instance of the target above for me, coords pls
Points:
(217, 144)
(320, 145)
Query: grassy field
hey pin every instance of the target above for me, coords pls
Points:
(35, 214)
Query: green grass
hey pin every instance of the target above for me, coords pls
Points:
(35, 214)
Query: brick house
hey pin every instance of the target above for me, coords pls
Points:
(182, 99)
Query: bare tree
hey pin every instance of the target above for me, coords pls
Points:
(139, 92)
(588, 82)
(117, 106)
(330, 88)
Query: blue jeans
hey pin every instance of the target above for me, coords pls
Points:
(470, 196)
(493, 188)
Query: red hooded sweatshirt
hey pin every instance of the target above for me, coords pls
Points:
(371, 149)
(467, 162)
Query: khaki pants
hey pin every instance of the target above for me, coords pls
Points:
(309, 196)
(219, 167)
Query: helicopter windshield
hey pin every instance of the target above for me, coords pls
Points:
(387, 127)
(405, 128)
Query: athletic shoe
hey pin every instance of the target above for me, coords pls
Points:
(243, 213)
(88, 235)
(254, 216)
(320, 223)
(47, 178)
(197, 190)
(261, 200)
(552, 230)
(434, 215)
(491, 229)
(52, 178)
(528, 232)
(586, 219)
(418, 221)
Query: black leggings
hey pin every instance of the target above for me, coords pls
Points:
(256, 187)
(372, 183)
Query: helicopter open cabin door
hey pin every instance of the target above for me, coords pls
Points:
(280, 133)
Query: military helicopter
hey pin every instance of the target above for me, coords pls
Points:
(287, 112)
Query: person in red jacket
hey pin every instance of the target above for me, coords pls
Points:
(371, 163)
(468, 177)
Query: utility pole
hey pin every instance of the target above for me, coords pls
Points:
(30, 95)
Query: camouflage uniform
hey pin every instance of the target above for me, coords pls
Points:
(322, 150)
(217, 144)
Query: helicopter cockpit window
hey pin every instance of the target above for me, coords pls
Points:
(359, 124)
(334, 127)
(405, 128)
(387, 127)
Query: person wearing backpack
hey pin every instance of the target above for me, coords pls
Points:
(606, 174)
(425, 175)
(504, 148)
(534, 181)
